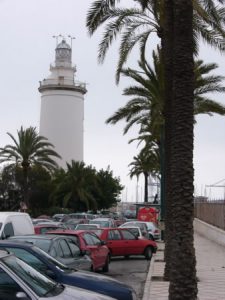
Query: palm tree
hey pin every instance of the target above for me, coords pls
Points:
(137, 25)
(75, 190)
(146, 163)
(181, 159)
(27, 150)
(207, 22)
(146, 107)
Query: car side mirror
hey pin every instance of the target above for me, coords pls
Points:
(103, 243)
(22, 296)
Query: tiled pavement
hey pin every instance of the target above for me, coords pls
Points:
(210, 271)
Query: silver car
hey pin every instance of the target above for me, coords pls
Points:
(20, 281)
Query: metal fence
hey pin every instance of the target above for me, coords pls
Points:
(211, 212)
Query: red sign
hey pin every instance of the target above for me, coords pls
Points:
(148, 214)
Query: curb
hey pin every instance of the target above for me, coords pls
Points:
(148, 280)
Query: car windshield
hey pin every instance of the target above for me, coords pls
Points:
(39, 283)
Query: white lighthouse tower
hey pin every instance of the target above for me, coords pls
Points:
(62, 107)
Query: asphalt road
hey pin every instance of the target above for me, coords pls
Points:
(132, 271)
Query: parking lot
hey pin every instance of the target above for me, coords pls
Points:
(132, 271)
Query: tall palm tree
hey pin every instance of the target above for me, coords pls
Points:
(146, 106)
(145, 18)
(146, 163)
(207, 22)
(181, 157)
(27, 150)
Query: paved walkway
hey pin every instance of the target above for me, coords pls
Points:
(210, 271)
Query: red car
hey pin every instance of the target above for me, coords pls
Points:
(121, 242)
(43, 228)
(91, 243)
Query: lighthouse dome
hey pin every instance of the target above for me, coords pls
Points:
(63, 52)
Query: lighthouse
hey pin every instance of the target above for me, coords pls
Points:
(62, 107)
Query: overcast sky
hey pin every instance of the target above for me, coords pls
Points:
(27, 49)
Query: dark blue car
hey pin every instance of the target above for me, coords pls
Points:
(46, 264)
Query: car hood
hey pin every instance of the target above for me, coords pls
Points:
(72, 293)
(100, 284)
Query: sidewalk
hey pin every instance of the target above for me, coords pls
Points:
(210, 271)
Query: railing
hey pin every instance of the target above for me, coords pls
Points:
(212, 212)
(62, 81)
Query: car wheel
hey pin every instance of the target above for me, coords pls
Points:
(106, 266)
(148, 253)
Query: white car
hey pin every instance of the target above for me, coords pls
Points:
(136, 231)
(152, 229)
(141, 225)
(20, 281)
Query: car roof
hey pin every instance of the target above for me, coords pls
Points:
(5, 214)
(34, 236)
(46, 225)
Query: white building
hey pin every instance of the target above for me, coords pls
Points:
(62, 107)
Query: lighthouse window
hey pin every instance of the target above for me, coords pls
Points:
(61, 79)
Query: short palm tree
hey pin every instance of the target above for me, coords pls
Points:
(75, 190)
(146, 163)
(27, 150)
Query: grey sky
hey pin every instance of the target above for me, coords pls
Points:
(27, 49)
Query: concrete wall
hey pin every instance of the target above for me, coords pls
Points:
(211, 232)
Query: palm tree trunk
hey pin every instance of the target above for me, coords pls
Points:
(25, 187)
(146, 187)
(167, 51)
(183, 281)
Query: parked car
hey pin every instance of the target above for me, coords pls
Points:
(121, 242)
(103, 222)
(49, 266)
(87, 226)
(136, 231)
(43, 228)
(81, 218)
(142, 225)
(15, 223)
(89, 241)
(152, 230)
(62, 248)
(58, 217)
(18, 280)
(72, 223)
(38, 221)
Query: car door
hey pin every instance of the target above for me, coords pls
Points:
(131, 243)
(115, 242)
(9, 287)
(98, 251)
